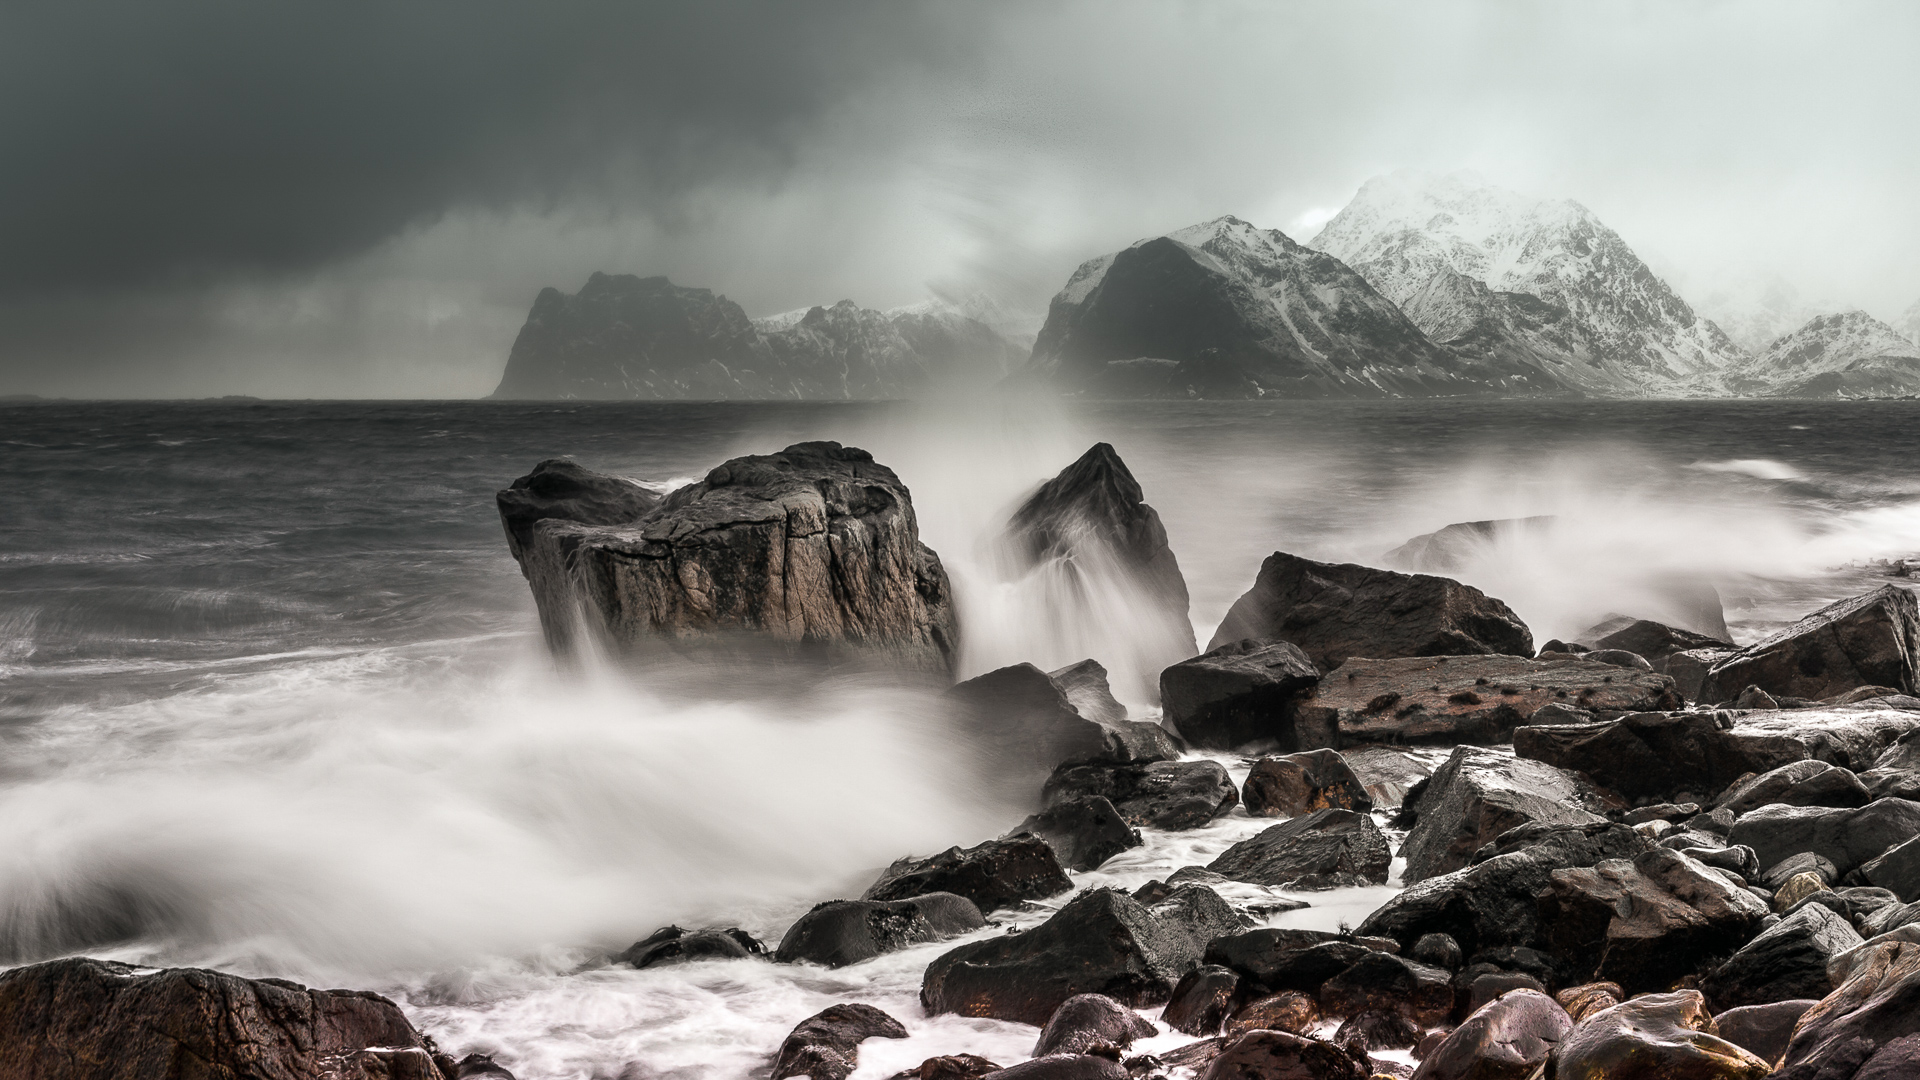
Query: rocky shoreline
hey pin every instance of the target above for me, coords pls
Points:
(1647, 853)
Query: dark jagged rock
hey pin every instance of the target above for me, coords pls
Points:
(1272, 960)
(1868, 1028)
(1867, 640)
(1082, 832)
(1289, 1010)
(1365, 1032)
(1793, 866)
(1802, 783)
(1846, 838)
(1337, 610)
(811, 552)
(1787, 961)
(479, 1067)
(1193, 916)
(1644, 923)
(1088, 1020)
(672, 945)
(1169, 795)
(83, 1019)
(1438, 950)
(994, 875)
(1088, 691)
(1226, 310)
(1897, 869)
(1471, 699)
(1505, 1039)
(1237, 693)
(1282, 1055)
(841, 932)
(1302, 783)
(1202, 1000)
(1688, 668)
(1386, 773)
(1094, 517)
(1654, 1037)
(1657, 641)
(1491, 903)
(1476, 796)
(1325, 849)
(1024, 722)
(566, 491)
(1101, 942)
(826, 1045)
(1762, 1030)
(1382, 981)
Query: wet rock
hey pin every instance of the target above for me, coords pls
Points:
(561, 490)
(81, 1019)
(1202, 1000)
(1171, 795)
(1476, 796)
(994, 875)
(1491, 903)
(826, 1045)
(1586, 999)
(1065, 1067)
(1082, 832)
(1762, 1030)
(813, 552)
(479, 1067)
(389, 1063)
(1802, 783)
(1471, 699)
(1897, 869)
(1846, 838)
(1324, 849)
(1193, 916)
(1338, 610)
(1556, 713)
(1289, 1010)
(1868, 1028)
(1087, 1020)
(1644, 923)
(1689, 668)
(1282, 1055)
(1661, 812)
(1867, 640)
(1505, 1039)
(1490, 986)
(1787, 961)
(1383, 982)
(1023, 722)
(1387, 774)
(1438, 950)
(1302, 783)
(1363, 1033)
(949, 1067)
(1657, 641)
(841, 932)
(672, 945)
(1238, 693)
(1101, 942)
(1270, 960)
(1654, 1037)
(1805, 862)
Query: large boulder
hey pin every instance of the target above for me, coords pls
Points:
(84, 1019)
(1644, 923)
(1470, 699)
(1093, 520)
(841, 932)
(1023, 722)
(1653, 1037)
(1846, 838)
(826, 1045)
(994, 875)
(1272, 960)
(1491, 904)
(1867, 640)
(1868, 1028)
(1787, 961)
(1337, 610)
(1322, 850)
(1202, 1000)
(811, 552)
(1302, 783)
(1082, 832)
(1897, 869)
(1170, 795)
(1101, 942)
(1238, 692)
(1505, 1039)
(1479, 794)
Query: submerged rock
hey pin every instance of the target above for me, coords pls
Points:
(82, 1019)
(841, 932)
(1237, 693)
(1337, 610)
(1867, 640)
(672, 945)
(812, 552)
(994, 875)
(826, 1045)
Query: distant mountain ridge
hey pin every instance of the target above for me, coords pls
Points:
(1224, 309)
(628, 337)
(1605, 322)
(1849, 355)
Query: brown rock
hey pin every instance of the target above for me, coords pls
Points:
(1202, 1000)
(1302, 783)
(1588, 998)
(1282, 1055)
(1865, 1029)
(949, 1067)
(1505, 1039)
(1387, 983)
(1654, 1037)
(1289, 1010)
(826, 1045)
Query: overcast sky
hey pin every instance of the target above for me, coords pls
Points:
(361, 199)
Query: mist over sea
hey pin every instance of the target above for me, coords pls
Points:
(273, 697)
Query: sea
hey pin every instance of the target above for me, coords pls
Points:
(274, 700)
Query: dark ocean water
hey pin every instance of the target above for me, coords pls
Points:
(271, 695)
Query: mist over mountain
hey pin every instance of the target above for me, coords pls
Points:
(1849, 355)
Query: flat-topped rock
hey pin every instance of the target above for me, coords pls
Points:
(1464, 699)
(1238, 693)
(813, 552)
(1336, 610)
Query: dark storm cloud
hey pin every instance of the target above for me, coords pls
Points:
(146, 141)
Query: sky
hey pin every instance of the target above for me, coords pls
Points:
(361, 199)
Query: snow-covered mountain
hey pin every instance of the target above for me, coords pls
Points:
(1224, 309)
(1609, 324)
(627, 337)
(1757, 308)
(1850, 355)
